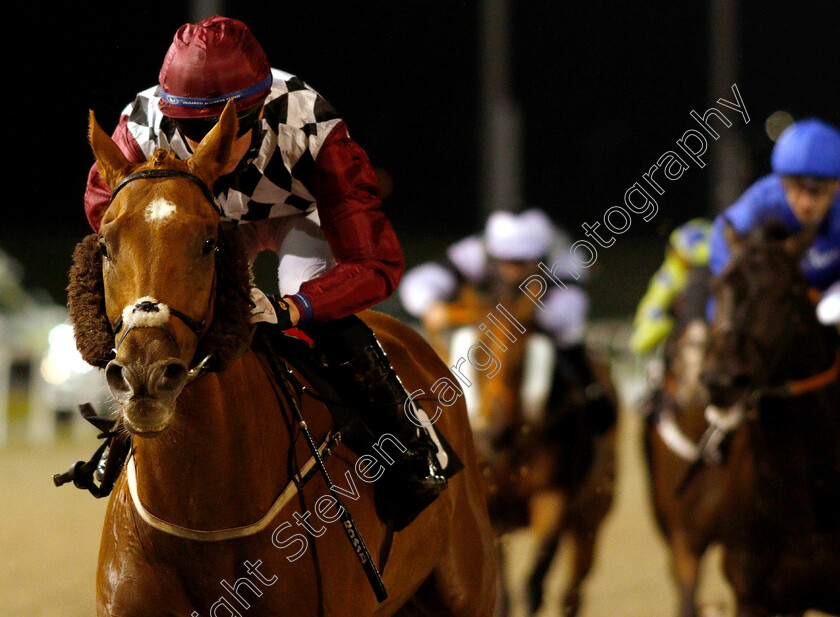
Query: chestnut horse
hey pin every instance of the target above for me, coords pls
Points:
(194, 525)
(545, 471)
(751, 459)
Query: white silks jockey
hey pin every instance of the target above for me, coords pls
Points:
(511, 246)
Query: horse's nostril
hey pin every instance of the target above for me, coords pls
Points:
(163, 378)
(169, 377)
(741, 381)
(715, 380)
(173, 371)
(726, 388)
(118, 383)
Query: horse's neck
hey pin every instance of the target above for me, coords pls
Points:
(220, 463)
(500, 395)
(808, 422)
(813, 352)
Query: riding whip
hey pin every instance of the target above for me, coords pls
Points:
(348, 524)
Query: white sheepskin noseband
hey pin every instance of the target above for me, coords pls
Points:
(146, 312)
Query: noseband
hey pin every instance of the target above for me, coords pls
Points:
(149, 306)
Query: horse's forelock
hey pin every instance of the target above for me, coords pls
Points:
(764, 251)
(764, 273)
(770, 232)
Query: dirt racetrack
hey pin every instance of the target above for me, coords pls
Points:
(49, 540)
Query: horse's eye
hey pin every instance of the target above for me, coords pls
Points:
(103, 248)
(209, 246)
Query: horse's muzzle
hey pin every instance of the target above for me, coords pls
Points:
(726, 390)
(147, 393)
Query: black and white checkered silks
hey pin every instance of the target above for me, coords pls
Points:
(269, 190)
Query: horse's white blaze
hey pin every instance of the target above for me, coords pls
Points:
(134, 317)
(160, 209)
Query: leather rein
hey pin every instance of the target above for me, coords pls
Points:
(720, 426)
(798, 387)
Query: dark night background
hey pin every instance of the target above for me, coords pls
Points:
(605, 88)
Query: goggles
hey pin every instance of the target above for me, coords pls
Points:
(197, 128)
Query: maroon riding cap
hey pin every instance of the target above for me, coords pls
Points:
(209, 63)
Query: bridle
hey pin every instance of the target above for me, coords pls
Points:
(147, 306)
(723, 421)
(153, 174)
(793, 387)
(197, 327)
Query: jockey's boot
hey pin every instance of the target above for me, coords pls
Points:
(363, 376)
(600, 409)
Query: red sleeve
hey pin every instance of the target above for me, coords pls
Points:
(368, 255)
(97, 195)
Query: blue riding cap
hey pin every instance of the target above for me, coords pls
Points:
(808, 148)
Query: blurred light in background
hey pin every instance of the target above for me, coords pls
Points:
(63, 359)
(777, 122)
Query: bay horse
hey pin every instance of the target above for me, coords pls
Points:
(546, 471)
(218, 511)
(752, 461)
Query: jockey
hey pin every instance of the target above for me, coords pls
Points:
(527, 237)
(509, 250)
(298, 185)
(686, 262)
(802, 192)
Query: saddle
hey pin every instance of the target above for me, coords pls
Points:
(298, 355)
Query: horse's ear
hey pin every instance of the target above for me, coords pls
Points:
(113, 165)
(212, 154)
(733, 240)
(798, 244)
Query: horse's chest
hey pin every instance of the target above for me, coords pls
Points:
(145, 572)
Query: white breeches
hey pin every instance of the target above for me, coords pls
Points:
(563, 315)
(299, 243)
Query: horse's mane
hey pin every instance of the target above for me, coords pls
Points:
(224, 340)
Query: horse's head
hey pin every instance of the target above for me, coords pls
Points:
(499, 389)
(160, 283)
(506, 276)
(762, 314)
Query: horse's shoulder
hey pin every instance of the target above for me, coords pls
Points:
(385, 325)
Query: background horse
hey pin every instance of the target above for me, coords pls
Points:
(546, 470)
(194, 525)
(770, 397)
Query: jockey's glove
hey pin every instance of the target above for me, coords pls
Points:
(283, 312)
